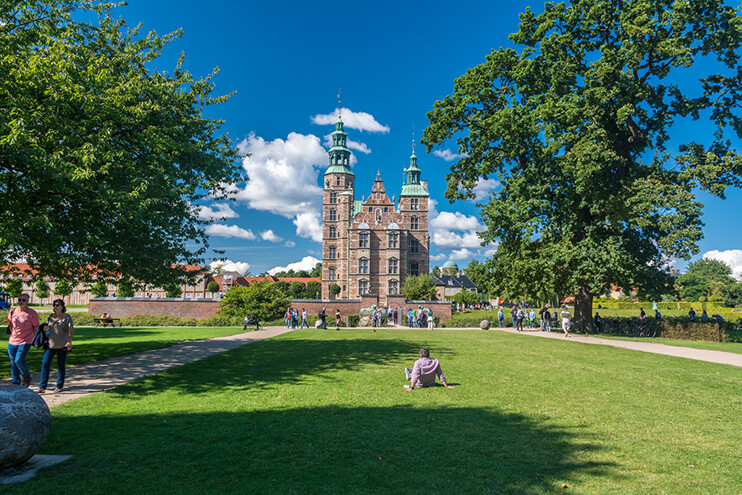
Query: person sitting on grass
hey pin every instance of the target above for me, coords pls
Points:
(424, 371)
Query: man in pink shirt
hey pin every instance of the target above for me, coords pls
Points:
(23, 324)
(424, 371)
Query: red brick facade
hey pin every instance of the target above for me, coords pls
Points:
(120, 307)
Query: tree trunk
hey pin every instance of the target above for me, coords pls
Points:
(583, 310)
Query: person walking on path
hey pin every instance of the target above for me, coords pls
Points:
(430, 319)
(323, 318)
(337, 319)
(501, 317)
(566, 319)
(60, 330)
(304, 318)
(22, 323)
(514, 316)
(519, 317)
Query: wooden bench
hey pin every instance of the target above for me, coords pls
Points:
(114, 322)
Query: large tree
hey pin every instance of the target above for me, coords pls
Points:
(576, 124)
(102, 157)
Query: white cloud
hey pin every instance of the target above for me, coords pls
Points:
(491, 252)
(308, 225)
(306, 263)
(445, 225)
(216, 212)
(268, 235)
(460, 254)
(484, 187)
(439, 257)
(449, 155)
(447, 220)
(282, 177)
(732, 257)
(361, 121)
(230, 266)
(290, 244)
(221, 230)
(445, 239)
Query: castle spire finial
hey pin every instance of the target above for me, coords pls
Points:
(340, 101)
(413, 139)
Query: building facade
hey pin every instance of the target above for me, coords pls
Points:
(370, 246)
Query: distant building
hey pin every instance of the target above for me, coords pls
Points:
(369, 247)
(449, 285)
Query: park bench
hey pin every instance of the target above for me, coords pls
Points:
(250, 322)
(114, 322)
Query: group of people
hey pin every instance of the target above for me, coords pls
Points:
(23, 325)
(291, 318)
(524, 316)
(420, 318)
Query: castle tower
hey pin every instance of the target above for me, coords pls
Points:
(413, 205)
(337, 207)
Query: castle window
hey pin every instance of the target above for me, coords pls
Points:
(332, 233)
(393, 265)
(414, 246)
(363, 240)
(363, 287)
(393, 240)
(337, 181)
(333, 214)
(414, 268)
(331, 273)
(363, 265)
(333, 197)
(413, 204)
(414, 223)
(393, 288)
(332, 253)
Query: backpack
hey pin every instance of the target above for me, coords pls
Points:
(40, 338)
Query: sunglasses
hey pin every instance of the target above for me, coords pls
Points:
(22, 300)
(56, 304)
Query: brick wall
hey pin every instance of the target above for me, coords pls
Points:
(130, 306)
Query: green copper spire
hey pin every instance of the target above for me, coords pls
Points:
(339, 153)
(413, 186)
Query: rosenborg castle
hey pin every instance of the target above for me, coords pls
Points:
(369, 247)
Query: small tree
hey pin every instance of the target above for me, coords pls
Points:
(466, 297)
(296, 289)
(334, 289)
(436, 271)
(14, 287)
(316, 271)
(419, 288)
(283, 286)
(261, 300)
(213, 287)
(63, 288)
(312, 290)
(125, 288)
(99, 288)
(172, 290)
(42, 289)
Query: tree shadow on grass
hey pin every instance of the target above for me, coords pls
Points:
(277, 361)
(401, 449)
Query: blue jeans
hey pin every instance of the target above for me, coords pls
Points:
(46, 365)
(18, 366)
(502, 322)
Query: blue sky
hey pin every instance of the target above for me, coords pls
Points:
(392, 61)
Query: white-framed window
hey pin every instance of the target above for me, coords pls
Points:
(332, 252)
(333, 233)
(363, 265)
(363, 239)
(414, 223)
(363, 286)
(393, 239)
(331, 274)
(393, 288)
(393, 265)
(332, 214)
(414, 204)
(333, 197)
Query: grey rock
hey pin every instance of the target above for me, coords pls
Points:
(24, 424)
(485, 325)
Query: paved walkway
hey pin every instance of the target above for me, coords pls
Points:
(98, 376)
(648, 345)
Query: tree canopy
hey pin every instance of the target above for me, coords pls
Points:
(576, 124)
(705, 278)
(419, 288)
(261, 300)
(102, 157)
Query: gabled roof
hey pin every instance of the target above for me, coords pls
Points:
(450, 281)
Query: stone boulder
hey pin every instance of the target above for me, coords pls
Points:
(365, 320)
(485, 325)
(24, 424)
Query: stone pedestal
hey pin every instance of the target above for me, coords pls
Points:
(24, 424)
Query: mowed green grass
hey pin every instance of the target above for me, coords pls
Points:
(316, 411)
(96, 343)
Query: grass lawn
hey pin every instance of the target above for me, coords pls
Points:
(316, 411)
(96, 343)
(734, 347)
